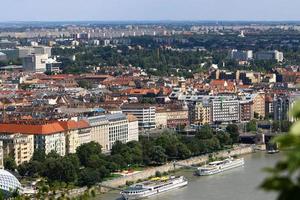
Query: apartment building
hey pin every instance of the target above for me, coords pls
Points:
(118, 129)
(225, 110)
(133, 128)
(20, 146)
(77, 133)
(99, 131)
(246, 110)
(259, 104)
(202, 112)
(144, 113)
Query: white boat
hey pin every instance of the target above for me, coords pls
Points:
(154, 187)
(272, 151)
(220, 166)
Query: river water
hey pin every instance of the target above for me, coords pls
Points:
(237, 184)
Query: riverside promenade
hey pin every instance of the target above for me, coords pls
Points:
(151, 171)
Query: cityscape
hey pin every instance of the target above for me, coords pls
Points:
(128, 109)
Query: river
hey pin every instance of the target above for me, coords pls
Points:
(240, 183)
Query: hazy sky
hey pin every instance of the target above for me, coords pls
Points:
(53, 10)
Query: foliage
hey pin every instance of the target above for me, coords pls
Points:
(284, 176)
(9, 163)
(251, 126)
(233, 131)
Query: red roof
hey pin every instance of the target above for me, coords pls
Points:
(44, 129)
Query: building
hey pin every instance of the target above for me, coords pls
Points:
(9, 183)
(48, 136)
(52, 65)
(202, 112)
(161, 119)
(241, 55)
(133, 128)
(1, 155)
(109, 128)
(225, 110)
(246, 110)
(100, 131)
(177, 117)
(77, 133)
(281, 107)
(269, 55)
(259, 104)
(144, 113)
(283, 104)
(3, 56)
(118, 129)
(35, 62)
(19, 146)
(43, 50)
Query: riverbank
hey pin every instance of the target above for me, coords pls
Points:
(246, 180)
(121, 181)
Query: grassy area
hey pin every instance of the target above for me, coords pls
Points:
(112, 176)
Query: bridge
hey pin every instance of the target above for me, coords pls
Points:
(258, 138)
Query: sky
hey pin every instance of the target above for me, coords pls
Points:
(123, 10)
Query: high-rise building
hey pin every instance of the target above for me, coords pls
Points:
(144, 113)
(269, 55)
(225, 110)
(35, 62)
(241, 55)
(19, 146)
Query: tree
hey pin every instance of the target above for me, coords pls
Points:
(39, 155)
(183, 151)
(9, 163)
(157, 155)
(251, 126)
(86, 150)
(233, 130)
(205, 132)
(224, 138)
(89, 177)
(284, 176)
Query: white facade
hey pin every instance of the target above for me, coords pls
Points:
(225, 110)
(54, 142)
(144, 114)
(133, 131)
(35, 62)
(118, 129)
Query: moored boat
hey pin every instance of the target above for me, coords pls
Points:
(154, 187)
(220, 166)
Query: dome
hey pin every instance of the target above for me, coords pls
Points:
(8, 182)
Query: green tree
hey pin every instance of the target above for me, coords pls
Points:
(9, 163)
(157, 155)
(183, 151)
(284, 177)
(86, 150)
(251, 126)
(89, 177)
(39, 155)
(224, 138)
(205, 132)
(233, 130)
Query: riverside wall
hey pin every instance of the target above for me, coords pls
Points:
(121, 181)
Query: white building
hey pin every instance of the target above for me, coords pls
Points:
(241, 55)
(133, 128)
(225, 110)
(118, 129)
(35, 62)
(144, 113)
(270, 55)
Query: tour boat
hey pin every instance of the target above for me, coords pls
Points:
(220, 166)
(154, 187)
